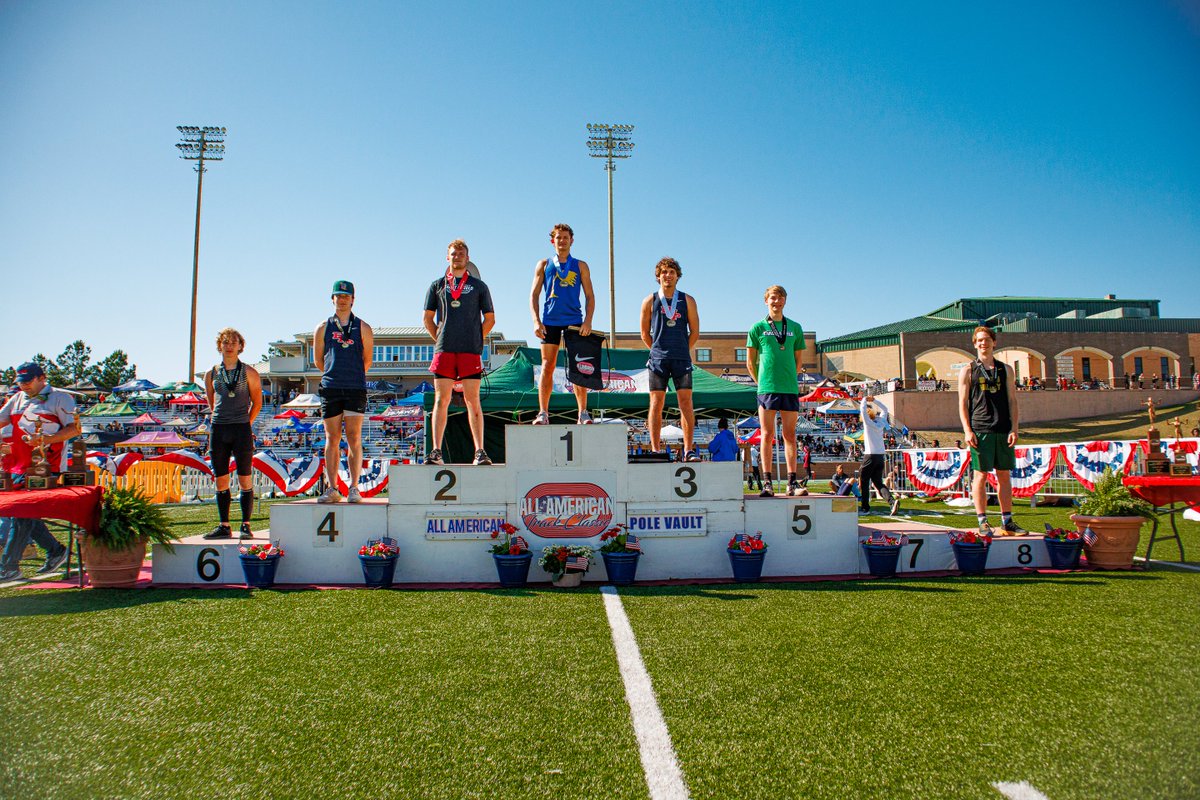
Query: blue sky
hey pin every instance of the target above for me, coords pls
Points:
(877, 159)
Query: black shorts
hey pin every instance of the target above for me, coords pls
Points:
(662, 370)
(772, 401)
(554, 333)
(231, 439)
(335, 402)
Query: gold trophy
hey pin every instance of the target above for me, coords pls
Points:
(1156, 460)
(1179, 467)
(78, 473)
(39, 476)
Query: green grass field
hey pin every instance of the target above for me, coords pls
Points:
(1084, 684)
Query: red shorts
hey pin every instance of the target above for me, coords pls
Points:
(457, 366)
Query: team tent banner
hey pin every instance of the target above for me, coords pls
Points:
(1088, 460)
(1034, 468)
(935, 471)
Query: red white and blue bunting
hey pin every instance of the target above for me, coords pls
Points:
(935, 471)
(293, 476)
(185, 458)
(371, 481)
(1088, 460)
(1034, 468)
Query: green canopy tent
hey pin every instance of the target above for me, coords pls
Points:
(509, 397)
(121, 409)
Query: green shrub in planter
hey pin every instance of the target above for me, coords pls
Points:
(127, 515)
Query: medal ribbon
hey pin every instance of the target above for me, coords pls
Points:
(231, 383)
(560, 273)
(345, 332)
(456, 290)
(668, 309)
(780, 336)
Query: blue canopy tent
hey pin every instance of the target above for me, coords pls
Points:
(136, 385)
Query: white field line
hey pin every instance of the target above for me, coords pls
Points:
(1018, 791)
(663, 777)
(1178, 564)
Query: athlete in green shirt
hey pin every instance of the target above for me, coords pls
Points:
(771, 346)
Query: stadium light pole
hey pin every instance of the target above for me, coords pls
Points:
(200, 145)
(610, 142)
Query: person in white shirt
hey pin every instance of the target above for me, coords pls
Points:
(874, 420)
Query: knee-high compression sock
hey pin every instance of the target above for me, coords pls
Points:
(246, 499)
(224, 499)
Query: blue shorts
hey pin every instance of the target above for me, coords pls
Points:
(779, 402)
(662, 370)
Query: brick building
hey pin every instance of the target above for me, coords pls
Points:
(1078, 338)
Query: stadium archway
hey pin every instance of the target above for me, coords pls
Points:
(1084, 363)
(1150, 360)
(1025, 362)
(945, 362)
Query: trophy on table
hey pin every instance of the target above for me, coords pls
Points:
(1180, 468)
(1156, 460)
(39, 475)
(78, 473)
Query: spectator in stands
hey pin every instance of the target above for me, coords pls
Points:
(343, 347)
(724, 446)
(987, 408)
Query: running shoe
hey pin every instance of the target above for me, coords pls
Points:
(434, 458)
(219, 532)
(331, 496)
(767, 491)
(481, 459)
(985, 529)
(692, 455)
(245, 532)
(585, 418)
(355, 496)
(895, 505)
(10, 575)
(1011, 528)
(862, 512)
(543, 418)
(53, 562)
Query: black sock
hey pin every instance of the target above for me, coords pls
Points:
(224, 499)
(791, 478)
(247, 502)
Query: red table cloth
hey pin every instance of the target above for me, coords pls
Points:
(77, 504)
(1163, 490)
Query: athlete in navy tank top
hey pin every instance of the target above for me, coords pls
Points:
(670, 328)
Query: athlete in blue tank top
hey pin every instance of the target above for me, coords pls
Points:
(343, 347)
(670, 328)
(561, 277)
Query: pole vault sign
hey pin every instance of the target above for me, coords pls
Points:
(669, 522)
(568, 504)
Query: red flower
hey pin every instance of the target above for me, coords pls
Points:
(262, 556)
(514, 551)
(1072, 536)
(746, 547)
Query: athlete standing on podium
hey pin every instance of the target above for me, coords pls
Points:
(464, 317)
(343, 347)
(771, 346)
(234, 392)
(561, 277)
(670, 328)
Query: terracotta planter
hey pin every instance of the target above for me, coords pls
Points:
(1116, 540)
(112, 569)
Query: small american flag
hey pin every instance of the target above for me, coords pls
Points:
(520, 542)
(903, 539)
(1049, 527)
(741, 538)
(1089, 536)
(632, 543)
(579, 563)
(877, 537)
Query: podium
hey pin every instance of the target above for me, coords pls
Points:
(561, 484)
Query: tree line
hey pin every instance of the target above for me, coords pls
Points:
(74, 364)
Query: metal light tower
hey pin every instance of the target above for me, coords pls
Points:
(609, 142)
(198, 144)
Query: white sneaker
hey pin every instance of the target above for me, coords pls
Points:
(543, 418)
(331, 496)
(354, 497)
(584, 418)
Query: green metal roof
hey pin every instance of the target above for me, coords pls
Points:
(884, 335)
(977, 308)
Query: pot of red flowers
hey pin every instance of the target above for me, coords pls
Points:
(620, 551)
(970, 551)
(566, 563)
(746, 554)
(378, 561)
(259, 562)
(1064, 547)
(883, 553)
(512, 557)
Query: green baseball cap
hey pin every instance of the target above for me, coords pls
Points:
(343, 287)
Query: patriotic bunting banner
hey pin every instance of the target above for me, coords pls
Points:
(1182, 450)
(1035, 466)
(185, 458)
(1088, 460)
(934, 471)
(119, 465)
(99, 460)
(292, 477)
(371, 481)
